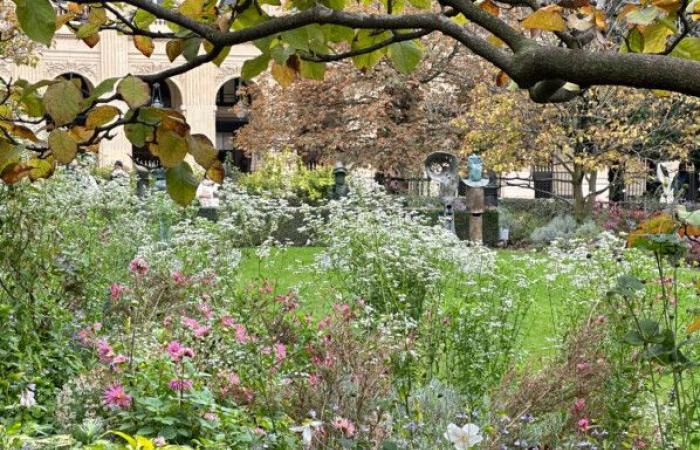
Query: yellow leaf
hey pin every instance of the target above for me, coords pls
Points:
(547, 18)
(101, 116)
(204, 152)
(490, 7)
(493, 40)
(655, 36)
(92, 40)
(283, 74)
(173, 49)
(144, 44)
(63, 146)
(216, 172)
(694, 326)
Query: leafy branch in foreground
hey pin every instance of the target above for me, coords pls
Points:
(555, 51)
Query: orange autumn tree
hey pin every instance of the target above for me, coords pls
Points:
(605, 127)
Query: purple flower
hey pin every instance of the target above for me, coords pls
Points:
(115, 397)
(180, 385)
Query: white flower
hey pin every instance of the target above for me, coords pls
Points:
(465, 437)
(26, 398)
(307, 431)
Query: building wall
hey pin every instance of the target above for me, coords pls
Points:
(116, 56)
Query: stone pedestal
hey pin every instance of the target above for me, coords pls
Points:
(475, 205)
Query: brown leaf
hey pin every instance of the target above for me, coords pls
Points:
(92, 40)
(216, 172)
(490, 7)
(15, 172)
(502, 79)
(174, 49)
(145, 45)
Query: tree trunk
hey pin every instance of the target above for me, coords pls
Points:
(580, 207)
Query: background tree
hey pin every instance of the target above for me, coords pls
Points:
(379, 117)
(554, 51)
(615, 128)
(15, 46)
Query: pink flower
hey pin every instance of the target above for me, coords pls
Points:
(584, 424)
(324, 323)
(138, 266)
(179, 278)
(205, 309)
(227, 322)
(190, 323)
(210, 416)
(116, 397)
(177, 351)
(117, 360)
(314, 379)
(116, 290)
(259, 431)
(579, 405)
(159, 441)
(202, 331)
(104, 351)
(583, 367)
(280, 352)
(180, 385)
(343, 310)
(234, 379)
(344, 425)
(241, 334)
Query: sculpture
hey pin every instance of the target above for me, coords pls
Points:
(442, 167)
(476, 167)
(340, 188)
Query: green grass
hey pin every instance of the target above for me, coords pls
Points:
(292, 268)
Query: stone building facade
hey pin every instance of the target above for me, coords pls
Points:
(195, 93)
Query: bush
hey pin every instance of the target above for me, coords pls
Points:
(561, 227)
(529, 214)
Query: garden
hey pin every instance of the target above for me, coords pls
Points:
(358, 323)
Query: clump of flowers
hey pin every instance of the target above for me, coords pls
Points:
(116, 397)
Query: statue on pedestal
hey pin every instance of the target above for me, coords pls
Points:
(339, 189)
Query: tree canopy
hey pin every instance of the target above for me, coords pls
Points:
(553, 50)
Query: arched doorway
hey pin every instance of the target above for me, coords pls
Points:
(163, 95)
(232, 114)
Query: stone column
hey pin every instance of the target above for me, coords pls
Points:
(114, 62)
(475, 204)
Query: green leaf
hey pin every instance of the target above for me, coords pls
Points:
(312, 70)
(190, 49)
(63, 146)
(138, 134)
(143, 19)
(87, 29)
(405, 56)
(172, 148)
(37, 19)
(644, 16)
(627, 286)
(254, 67)
(338, 33)
(181, 183)
(420, 4)
(365, 39)
(134, 91)
(105, 87)
(634, 338)
(297, 38)
(338, 5)
(688, 48)
(63, 101)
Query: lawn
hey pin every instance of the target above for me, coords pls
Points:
(292, 268)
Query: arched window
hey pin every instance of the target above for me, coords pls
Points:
(232, 104)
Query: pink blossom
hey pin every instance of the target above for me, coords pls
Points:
(344, 425)
(314, 379)
(259, 431)
(179, 278)
(117, 360)
(210, 416)
(138, 266)
(177, 351)
(227, 322)
(205, 309)
(180, 385)
(582, 367)
(104, 351)
(584, 424)
(190, 323)
(241, 334)
(234, 379)
(324, 323)
(280, 352)
(202, 331)
(116, 290)
(579, 405)
(159, 441)
(343, 310)
(115, 397)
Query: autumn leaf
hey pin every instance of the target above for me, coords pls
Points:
(548, 18)
(92, 40)
(216, 172)
(134, 91)
(694, 325)
(63, 101)
(40, 168)
(490, 7)
(203, 151)
(173, 49)
(145, 45)
(101, 115)
(172, 148)
(63, 146)
(283, 74)
(181, 183)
